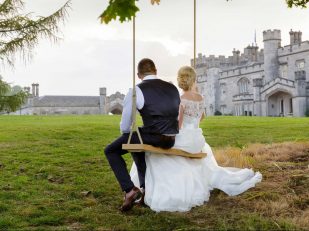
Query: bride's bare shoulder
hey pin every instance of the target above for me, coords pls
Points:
(192, 96)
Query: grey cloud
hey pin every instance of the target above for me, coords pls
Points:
(92, 56)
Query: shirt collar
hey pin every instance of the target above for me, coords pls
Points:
(148, 77)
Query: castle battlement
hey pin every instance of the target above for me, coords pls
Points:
(271, 35)
(251, 54)
(289, 49)
(203, 59)
(211, 61)
(257, 67)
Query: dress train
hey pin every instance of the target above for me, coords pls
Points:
(174, 183)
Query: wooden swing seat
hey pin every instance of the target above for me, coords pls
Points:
(171, 151)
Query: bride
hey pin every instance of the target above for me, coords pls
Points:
(174, 183)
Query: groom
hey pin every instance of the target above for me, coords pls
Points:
(158, 103)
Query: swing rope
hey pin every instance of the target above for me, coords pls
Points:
(134, 127)
(194, 32)
(143, 147)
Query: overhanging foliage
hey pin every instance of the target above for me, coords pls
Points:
(21, 32)
(124, 10)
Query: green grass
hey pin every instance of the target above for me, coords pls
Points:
(238, 131)
(46, 162)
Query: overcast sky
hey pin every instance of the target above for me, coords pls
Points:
(92, 55)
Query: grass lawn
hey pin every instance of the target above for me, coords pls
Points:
(54, 176)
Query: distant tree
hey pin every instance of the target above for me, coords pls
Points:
(125, 9)
(11, 98)
(21, 32)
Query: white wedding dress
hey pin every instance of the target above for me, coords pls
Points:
(174, 183)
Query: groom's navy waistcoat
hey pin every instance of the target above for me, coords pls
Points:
(161, 107)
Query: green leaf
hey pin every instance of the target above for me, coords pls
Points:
(297, 3)
(122, 9)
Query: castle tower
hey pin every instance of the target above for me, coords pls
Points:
(295, 37)
(299, 101)
(212, 94)
(102, 100)
(272, 41)
(236, 54)
(251, 52)
(254, 53)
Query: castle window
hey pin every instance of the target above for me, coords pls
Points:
(284, 71)
(243, 85)
(238, 110)
(300, 64)
(222, 88)
(291, 105)
(223, 109)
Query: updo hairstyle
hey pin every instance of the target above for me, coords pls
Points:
(186, 78)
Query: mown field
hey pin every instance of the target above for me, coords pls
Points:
(54, 176)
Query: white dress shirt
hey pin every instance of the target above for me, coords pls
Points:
(126, 119)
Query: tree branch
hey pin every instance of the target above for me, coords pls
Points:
(20, 33)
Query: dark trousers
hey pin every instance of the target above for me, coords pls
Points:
(114, 154)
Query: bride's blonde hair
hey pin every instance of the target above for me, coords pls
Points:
(186, 78)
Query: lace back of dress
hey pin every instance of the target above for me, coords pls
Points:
(193, 111)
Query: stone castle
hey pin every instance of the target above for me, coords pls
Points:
(273, 81)
(79, 105)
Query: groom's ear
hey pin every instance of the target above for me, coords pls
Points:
(140, 76)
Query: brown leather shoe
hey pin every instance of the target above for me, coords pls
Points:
(129, 199)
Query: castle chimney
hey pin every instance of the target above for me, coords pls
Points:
(33, 89)
(295, 37)
(102, 103)
(37, 90)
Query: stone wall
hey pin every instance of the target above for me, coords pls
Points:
(73, 105)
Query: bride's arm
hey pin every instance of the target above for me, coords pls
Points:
(202, 117)
(180, 118)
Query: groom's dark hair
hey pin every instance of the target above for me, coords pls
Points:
(146, 66)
